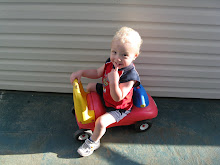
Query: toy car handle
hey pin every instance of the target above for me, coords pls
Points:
(83, 114)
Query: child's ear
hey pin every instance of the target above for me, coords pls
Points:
(135, 56)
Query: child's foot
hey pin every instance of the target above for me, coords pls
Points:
(88, 147)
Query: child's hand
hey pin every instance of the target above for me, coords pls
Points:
(76, 75)
(113, 76)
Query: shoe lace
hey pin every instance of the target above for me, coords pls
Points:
(86, 146)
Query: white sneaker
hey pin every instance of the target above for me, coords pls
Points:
(88, 147)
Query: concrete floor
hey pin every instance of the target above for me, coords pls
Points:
(37, 128)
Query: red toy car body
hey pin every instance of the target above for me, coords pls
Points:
(141, 117)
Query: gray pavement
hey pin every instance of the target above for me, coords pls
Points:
(37, 128)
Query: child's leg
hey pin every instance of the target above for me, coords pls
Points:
(100, 126)
(91, 87)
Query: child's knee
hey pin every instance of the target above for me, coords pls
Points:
(105, 120)
(101, 122)
(91, 87)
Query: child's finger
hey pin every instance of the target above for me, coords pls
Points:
(115, 67)
(79, 79)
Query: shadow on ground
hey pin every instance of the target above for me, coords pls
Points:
(43, 122)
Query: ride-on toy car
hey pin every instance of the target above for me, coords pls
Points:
(88, 107)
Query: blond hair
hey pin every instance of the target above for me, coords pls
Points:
(126, 34)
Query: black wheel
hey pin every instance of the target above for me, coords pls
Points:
(82, 134)
(142, 126)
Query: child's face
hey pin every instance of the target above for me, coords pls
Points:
(122, 54)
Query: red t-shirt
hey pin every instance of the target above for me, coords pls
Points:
(126, 74)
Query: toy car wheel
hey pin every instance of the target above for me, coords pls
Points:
(144, 125)
(82, 134)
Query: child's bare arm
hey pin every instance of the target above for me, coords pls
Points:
(118, 91)
(90, 73)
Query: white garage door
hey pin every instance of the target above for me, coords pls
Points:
(43, 41)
